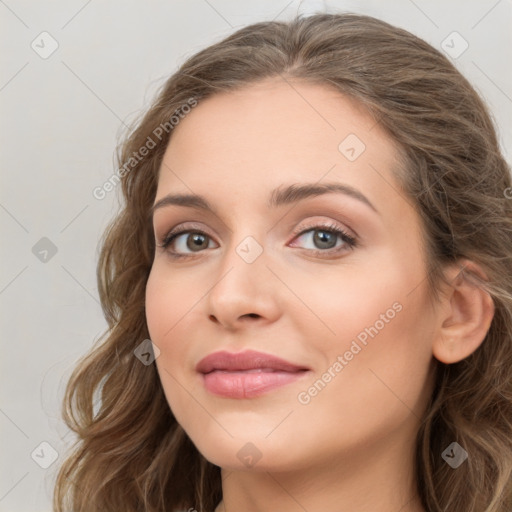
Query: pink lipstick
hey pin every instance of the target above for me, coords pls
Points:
(246, 374)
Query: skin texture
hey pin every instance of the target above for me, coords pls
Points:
(350, 448)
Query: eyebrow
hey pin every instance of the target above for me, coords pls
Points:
(279, 196)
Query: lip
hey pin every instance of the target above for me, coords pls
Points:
(246, 374)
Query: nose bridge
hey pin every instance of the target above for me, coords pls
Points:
(243, 264)
(247, 239)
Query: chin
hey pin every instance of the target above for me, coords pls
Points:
(246, 452)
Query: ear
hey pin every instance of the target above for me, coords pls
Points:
(466, 314)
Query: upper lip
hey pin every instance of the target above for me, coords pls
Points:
(247, 360)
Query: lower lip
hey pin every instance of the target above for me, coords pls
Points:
(247, 384)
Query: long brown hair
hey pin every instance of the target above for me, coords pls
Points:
(131, 454)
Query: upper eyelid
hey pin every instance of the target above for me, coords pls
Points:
(186, 227)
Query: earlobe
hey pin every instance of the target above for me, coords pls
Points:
(466, 316)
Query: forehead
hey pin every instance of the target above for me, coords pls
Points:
(316, 114)
(274, 132)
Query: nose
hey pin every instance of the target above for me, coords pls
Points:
(245, 290)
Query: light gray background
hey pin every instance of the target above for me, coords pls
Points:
(61, 119)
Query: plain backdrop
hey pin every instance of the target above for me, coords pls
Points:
(72, 74)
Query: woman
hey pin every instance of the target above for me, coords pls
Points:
(308, 288)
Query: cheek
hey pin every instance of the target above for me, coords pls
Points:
(358, 299)
(157, 296)
(168, 312)
(380, 358)
(168, 306)
(381, 328)
(168, 300)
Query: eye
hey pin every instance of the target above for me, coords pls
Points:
(327, 239)
(193, 240)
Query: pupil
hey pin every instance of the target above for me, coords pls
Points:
(198, 241)
(323, 238)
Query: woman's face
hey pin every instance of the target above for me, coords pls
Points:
(267, 272)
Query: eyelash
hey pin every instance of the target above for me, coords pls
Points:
(349, 241)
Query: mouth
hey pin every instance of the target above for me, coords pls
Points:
(247, 374)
